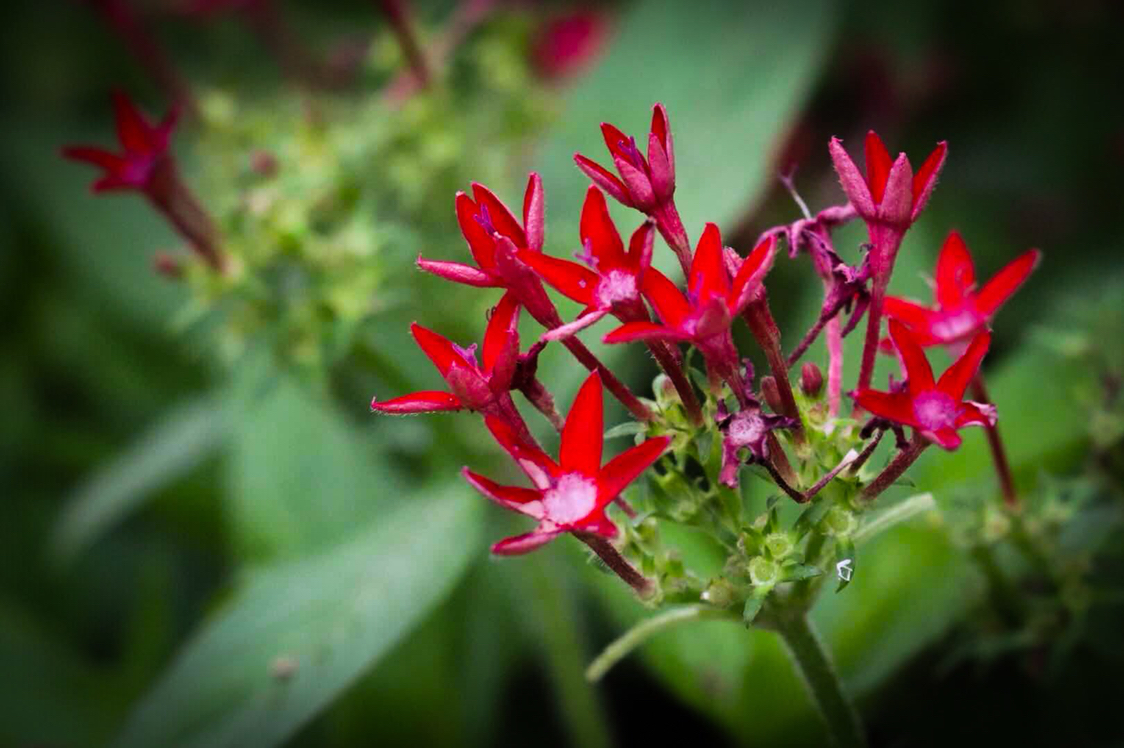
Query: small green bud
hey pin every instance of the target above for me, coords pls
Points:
(840, 521)
(779, 544)
(762, 571)
(996, 525)
(648, 530)
(719, 593)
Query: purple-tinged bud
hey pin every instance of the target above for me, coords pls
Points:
(811, 379)
(897, 202)
(663, 178)
(534, 210)
(852, 180)
(638, 184)
(772, 394)
(264, 163)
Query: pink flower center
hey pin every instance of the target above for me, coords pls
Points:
(935, 410)
(572, 498)
(618, 285)
(957, 324)
(745, 429)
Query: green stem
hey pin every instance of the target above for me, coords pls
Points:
(648, 628)
(815, 667)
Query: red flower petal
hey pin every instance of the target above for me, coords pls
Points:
(946, 438)
(957, 377)
(532, 460)
(926, 178)
(625, 467)
(597, 228)
(853, 182)
(521, 544)
(1003, 284)
(975, 414)
(509, 497)
(534, 213)
(661, 128)
(640, 247)
(956, 275)
(598, 524)
(750, 274)
(709, 279)
(134, 132)
(589, 316)
(480, 243)
(916, 366)
(878, 165)
(438, 348)
(633, 331)
(427, 401)
(458, 273)
(583, 434)
(893, 406)
(670, 303)
(501, 217)
(570, 278)
(604, 179)
(918, 319)
(614, 138)
(111, 162)
(501, 338)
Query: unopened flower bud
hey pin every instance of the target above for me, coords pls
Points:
(779, 544)
(772, 394)
(763, 571)
(811, 379)
(719, 593)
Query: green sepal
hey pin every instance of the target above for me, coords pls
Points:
(754, 603)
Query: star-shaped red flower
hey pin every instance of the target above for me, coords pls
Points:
(644, 183)
(476, 386)
(934, 408)
(961, 309)
(144, 145)
(890, 192)
(702, 317)
(612, 281)
(569, 495)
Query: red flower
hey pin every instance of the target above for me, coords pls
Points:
(145, 145)
(490, 229)
(890, 193)
(961, 310)
(932, 408)
(643, 183)
(569, 495)
(702, 317)
(480, 387)
(565, 45)
(612, 282)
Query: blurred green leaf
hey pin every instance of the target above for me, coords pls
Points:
(296, 633)
(184, 436)
(301, 476)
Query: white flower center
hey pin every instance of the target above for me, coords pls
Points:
(745, 429)
(956, 325)
(935, 410)
(618, 285)
(573, 497)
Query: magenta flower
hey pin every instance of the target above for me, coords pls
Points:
(961, 311)
(747, 429)
(702, 317)
(611, 283)
(643, 183)
(479, 386)
(144, 146)
(569, 495)
(890, 193)
(934, 409)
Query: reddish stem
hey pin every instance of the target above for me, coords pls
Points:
(615, 561)
(768, 336)
(398, 13)
(614, 385)
(885, 242)
(895, 469)
(834, 366)
(295, 60)
(998, 451)
(670, 226)
(666, 359)
(179, 205)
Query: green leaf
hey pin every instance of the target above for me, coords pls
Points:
(301, 476)
(296, 633)
(184, 437)
(797, 572)
(628, 428)
(754, 603)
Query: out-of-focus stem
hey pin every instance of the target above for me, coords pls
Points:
(998, 451)
(263, 17)
(174, 199)
(121, 17)
(398, 13)
(468, 15)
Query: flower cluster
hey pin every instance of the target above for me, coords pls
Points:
(701, 433)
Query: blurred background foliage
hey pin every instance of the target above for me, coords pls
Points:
(209, 540)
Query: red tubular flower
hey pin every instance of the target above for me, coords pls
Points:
(569, 495)
(702, 317)
(890, 193)
(934, 409)
(565, 45)
(612, 281)
(961, 311)
(476, 386)
(144, 146)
